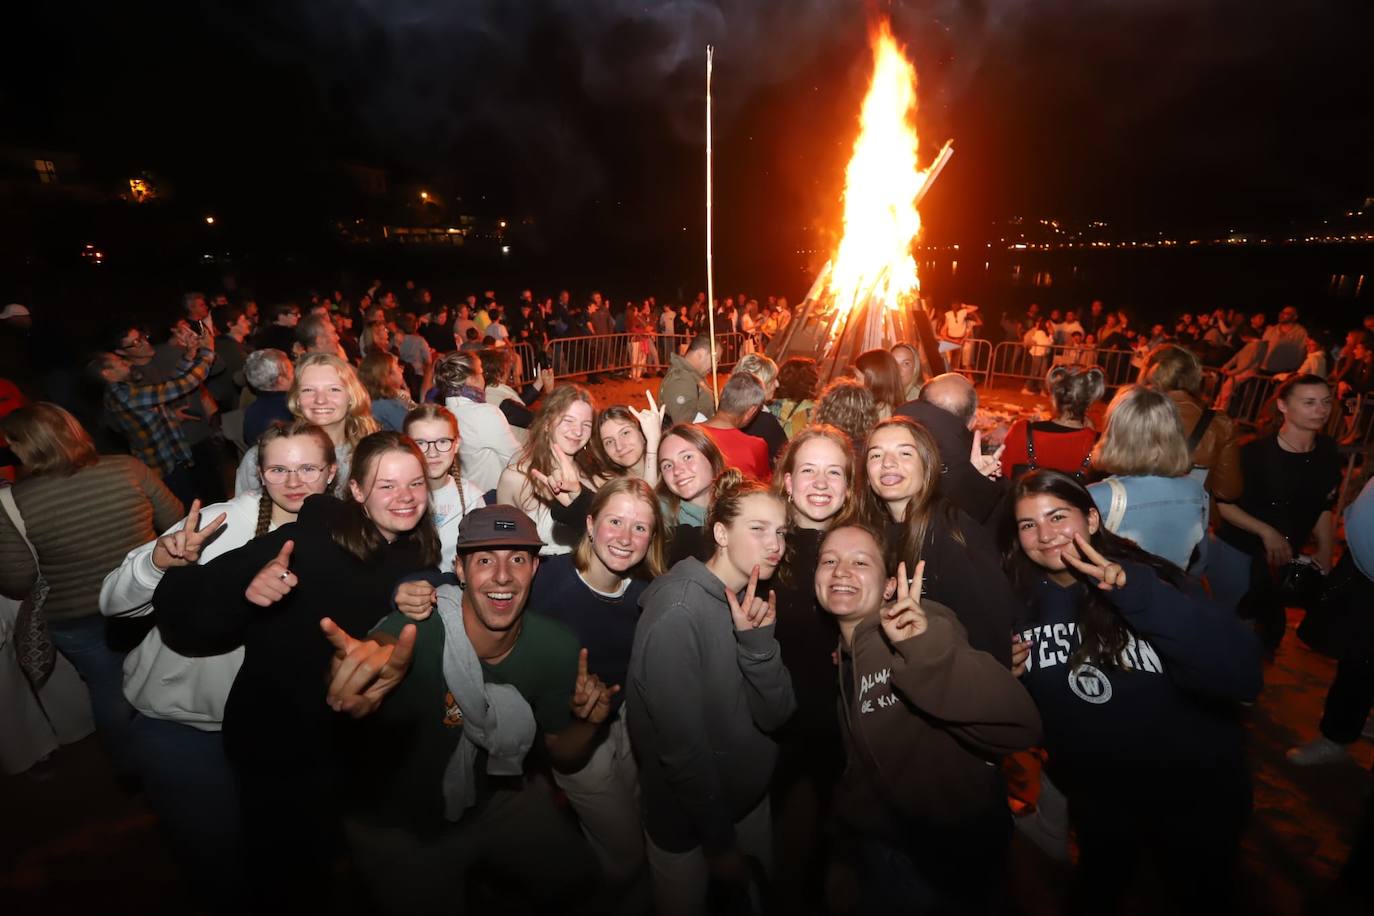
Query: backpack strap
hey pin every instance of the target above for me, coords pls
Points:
(1200, 430)
(1117, 512)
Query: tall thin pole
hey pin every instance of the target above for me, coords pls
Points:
(710, 273)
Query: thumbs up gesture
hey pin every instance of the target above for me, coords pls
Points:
(591, 699)
(182, 548)
(274, 581)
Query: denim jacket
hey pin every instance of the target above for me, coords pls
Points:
(1166, 516)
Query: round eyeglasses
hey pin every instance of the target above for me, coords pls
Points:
(440, 445)
(305, 473)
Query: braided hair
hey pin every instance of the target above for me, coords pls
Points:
(277, 431)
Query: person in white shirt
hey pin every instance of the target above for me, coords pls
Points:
(435, 431)
(175, 735)
(486, 443)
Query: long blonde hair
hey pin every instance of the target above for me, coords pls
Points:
(537, 452)
(359, 422)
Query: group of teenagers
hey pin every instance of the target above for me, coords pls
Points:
(537, 668)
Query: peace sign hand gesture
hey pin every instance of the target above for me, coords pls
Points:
(904, 618)
(182, 548)
(752, 613)
(363, 671)
(591, 699)
(1107, 575)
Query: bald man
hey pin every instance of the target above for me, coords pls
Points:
(947, 407)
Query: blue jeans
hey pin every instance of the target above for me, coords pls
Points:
(192, 789)
(82, 642)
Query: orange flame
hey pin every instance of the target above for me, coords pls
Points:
(882, 182)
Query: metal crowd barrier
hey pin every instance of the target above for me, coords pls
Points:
(1013, 359)
(571, 356)
(973, 360)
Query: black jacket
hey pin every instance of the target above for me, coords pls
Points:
(276, 710)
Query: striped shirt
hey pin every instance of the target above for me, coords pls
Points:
(141, 413)
(82, 527)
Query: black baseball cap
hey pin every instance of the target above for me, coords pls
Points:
(497, 526)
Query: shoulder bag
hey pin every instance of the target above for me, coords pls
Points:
(32, 642)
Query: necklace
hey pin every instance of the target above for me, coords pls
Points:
(1294, 448)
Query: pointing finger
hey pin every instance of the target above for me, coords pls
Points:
(193, 516)
(582, 665)
(404, 648)
(341, 641)
(753, 587)
(903, 586)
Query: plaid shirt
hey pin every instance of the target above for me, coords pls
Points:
(140, 412)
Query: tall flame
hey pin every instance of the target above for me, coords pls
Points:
(882, 182)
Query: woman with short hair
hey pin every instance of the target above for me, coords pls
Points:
(1149, 497)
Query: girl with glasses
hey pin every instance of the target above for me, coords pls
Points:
(175, 737)
(434, 430)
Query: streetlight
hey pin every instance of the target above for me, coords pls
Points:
(209, 220)
(424, 196)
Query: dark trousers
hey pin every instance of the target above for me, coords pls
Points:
(1264, 604)
(1351, 695)
(1189, 825)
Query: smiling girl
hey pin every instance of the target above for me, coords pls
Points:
(339, 559)
(1139, 684)
(595, 592)
(434, 430)
(688, 462)
(327, 393)
(962, 572)
(916, 698)
(554, 465)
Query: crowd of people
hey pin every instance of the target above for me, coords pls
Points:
(788, 647)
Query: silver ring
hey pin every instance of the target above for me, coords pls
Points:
(284, 576)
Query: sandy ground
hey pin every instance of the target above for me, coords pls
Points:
(75, 842)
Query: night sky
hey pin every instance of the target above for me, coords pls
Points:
(586, 114)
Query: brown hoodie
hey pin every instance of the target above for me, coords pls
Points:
(926, 722)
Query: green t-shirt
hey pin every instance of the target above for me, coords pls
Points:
(406, 744)
(543, 667)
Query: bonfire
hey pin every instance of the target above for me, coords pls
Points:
(867, 295)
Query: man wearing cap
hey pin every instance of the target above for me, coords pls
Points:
(441, 759)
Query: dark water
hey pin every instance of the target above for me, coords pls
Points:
(1331, 285)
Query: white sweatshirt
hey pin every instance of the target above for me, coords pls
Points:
(487, 445)
(158, 682)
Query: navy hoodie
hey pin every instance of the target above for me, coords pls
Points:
(1170, 704)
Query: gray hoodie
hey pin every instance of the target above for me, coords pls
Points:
(702, 699)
